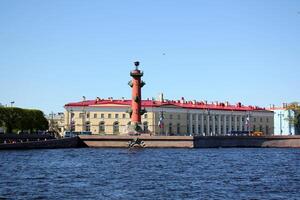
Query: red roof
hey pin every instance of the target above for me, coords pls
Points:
(180, 104)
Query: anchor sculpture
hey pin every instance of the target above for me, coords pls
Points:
(137, 142)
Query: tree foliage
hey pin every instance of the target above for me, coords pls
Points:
(296, 119)
(14, 119)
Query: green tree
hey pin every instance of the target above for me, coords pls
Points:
(22, 119)
(11, 118)
(295, 120)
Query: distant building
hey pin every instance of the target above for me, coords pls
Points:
(165, 117)
(283, 124)
(56, 122)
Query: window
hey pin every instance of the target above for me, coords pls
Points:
(178, 117)
(171, 116)
(102, 115)
(145, 116)
(254, 128)
(87, 115)
(87, 126)
(116, 116)
(95, 115)
(102, 127)
(116, 128)
(123, 116)
(254, 119)
(170, 129)
(261, 120)
(72, 115)
(145, 126)
(72, 126)
(267, 120)
(178, 127)
(193, 128)
(81, 115)
(260, 128)
(109, 115)
(267, 130)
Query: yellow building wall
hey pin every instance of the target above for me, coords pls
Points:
(109, 118)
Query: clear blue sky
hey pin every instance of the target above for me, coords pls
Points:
(54, 52)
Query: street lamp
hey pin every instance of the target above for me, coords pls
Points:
(280, 122)
(208, 122)
(12, 103)
(248, 123)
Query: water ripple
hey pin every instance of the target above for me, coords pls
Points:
(150, 174)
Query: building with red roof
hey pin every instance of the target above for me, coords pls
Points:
(168, 117)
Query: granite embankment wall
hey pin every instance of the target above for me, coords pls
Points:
(159, 142)
(44, 144)
(9, 137)
(194, 142)
(150, 141)
(244, 141)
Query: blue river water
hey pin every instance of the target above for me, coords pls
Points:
(87, 173)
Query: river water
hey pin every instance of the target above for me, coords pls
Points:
(88, 173)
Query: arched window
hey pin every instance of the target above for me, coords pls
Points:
(102, 127)
(267, 130)
(116, 128)
(178, 128)
(87, 126)
(170, 129)
(72, 126)
(145, 126)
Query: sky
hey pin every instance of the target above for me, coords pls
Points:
(53, 52)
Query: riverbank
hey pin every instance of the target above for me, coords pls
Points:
(43, 144)
(116, 141)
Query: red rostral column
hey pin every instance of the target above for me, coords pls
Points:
(136, 101)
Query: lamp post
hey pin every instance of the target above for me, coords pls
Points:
(71, 121)
(12, 103)
(208, 122)
(248, 121)
(280, 122)
(161, 123)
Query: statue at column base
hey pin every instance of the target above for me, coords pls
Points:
(134, 129)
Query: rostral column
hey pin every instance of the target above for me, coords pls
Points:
(136, 100)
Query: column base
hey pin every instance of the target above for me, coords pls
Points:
(134, 129)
